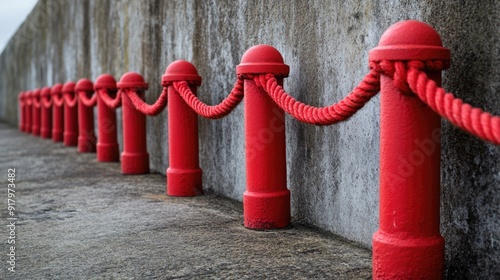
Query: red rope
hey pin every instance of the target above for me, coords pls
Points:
(212, 112)
(70, 102)
(46, 102)
(143, 107)
(112, 103)
(473, 120)
(35, 102)
(88, 102)
(341, 111)
(58, 101)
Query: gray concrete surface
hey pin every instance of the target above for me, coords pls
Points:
(332, 171)
(80, 219)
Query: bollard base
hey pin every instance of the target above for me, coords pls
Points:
(417, 258)
(46, 133)
(266, 210)
(35, 131)
(57, 136)
(184, 182)
(108, 152)
(135, 163)
(86, 145)
(70, 139)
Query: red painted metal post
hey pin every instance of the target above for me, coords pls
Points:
(22, 112)
(266, 202)
(408, 244)
(57, 113)
(46, 114)
(184, 173)
(86, 135)
(29, 111)
(70, 115)
(35, 106)
(107, 143)
(135, 157)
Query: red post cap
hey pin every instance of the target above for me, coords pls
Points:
(105, 81)
(56, 89)
(36, 93)
(84, 85)
(69, 87)
(180, 70)
(21, 95)
(45, 91)
(410, 40)
(132, 80)
(262, 59)
(27, 94)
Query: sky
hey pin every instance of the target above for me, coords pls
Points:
(12, 14)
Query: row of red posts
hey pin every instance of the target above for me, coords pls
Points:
(408, 243)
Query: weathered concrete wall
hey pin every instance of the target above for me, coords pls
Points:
(332, 171)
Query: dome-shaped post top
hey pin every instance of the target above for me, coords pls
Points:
(36, 93)
(263, 59)
(56, 89)
(132, 80)
(180, 70)
(45, 91)
(84, 85)
(410, 40)
(27, 95)
(105, 81)
(69, 87)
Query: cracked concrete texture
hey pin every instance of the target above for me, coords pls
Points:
(80, 219)
(332, 171)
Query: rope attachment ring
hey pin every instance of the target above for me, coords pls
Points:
(56, 94)
(45, 99)
(83, 89)
(105, 87)
(133, 85)
(68, 91)
(35, 98)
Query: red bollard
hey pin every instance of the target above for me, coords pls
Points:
(183, 173)
(107, 144)
(46, 113)
(22, 112)
(408, 244)
(86, 135)
(266, 202)
(135, 157)
(35, 107)
(57, 113)
(29, 111)
(70, 115)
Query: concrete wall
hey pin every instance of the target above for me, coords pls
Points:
(332, 171)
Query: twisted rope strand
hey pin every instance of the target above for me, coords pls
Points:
(473, 120)
(215, 111)
(341, 111)
(46, 103)
(112, 103)
(58, 101)
(35, 103)
(151, 110)
(70, 102)
(88, 102)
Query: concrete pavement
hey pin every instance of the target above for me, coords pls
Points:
(80, 219)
